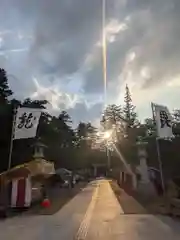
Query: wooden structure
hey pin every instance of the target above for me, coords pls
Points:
(17, 183)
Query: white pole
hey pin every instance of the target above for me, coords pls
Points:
(159, 154)
(12, 138)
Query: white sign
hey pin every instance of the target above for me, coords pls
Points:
(26, 123)
(163, 121)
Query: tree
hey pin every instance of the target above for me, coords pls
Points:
(64, 116)
(150, 127)
(113, 119)
(5, 118)
(5, 91)
(15, 103)
(34, 103)
(85, 133)
(82, 131)
(176, 115)
(65, 128)
(113, 115)
(130, 115)
(124, 121)
(176, 122)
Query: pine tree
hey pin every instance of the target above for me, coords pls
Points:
(129, 110)
(113, 117)
(5, 91)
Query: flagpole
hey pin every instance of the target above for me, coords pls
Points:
(12, 138)
(158, 153)
(160, 164)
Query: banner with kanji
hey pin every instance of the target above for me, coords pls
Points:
(163, 120)
(26, 123)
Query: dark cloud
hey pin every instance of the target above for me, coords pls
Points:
(157, 45)
(66, 30)
(153, 33)
(81, 112)
(61, 34)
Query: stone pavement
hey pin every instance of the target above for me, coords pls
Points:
(62, 225)
(93, 214)
(105, 209)
(109, 221)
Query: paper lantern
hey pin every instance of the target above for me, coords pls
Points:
(46, 203)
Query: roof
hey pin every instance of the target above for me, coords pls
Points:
(39, 144)
(63, 171)
(34, 167)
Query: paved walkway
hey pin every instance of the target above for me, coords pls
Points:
(109, 221)
(62, 225)
(104, 208)
(94, 214)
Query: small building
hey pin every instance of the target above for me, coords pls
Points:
(22, 181)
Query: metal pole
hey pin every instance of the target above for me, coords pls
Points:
(12, 138)
(159, 154)
(160, 164)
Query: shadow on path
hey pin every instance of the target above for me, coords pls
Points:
(128, 203)
(58, 198)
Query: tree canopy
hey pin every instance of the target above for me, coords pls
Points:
(66, 146)
(81, 146)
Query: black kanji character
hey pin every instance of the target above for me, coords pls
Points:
(164, 119)
(29, 123)
(22, 120)
(26, 121)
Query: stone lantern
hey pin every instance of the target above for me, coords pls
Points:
(39, 166)
(144, 185)
(39, 150)
(142, 155)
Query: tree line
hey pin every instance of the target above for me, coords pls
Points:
(129, 130)
(66, 146)
(72, 147)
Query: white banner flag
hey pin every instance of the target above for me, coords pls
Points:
(163, 121)
(26, 123)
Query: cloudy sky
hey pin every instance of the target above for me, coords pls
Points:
(52, 49)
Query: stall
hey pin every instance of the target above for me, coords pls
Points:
(21, 182)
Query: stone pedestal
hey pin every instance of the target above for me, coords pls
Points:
(146, 189)
(145, 186)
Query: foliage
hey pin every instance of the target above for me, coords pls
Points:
(72, 148)
(176, 122)
(67, 147)
(130, 115)
(122, 120)
(5, 91)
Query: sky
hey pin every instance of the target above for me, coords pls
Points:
(53, 50)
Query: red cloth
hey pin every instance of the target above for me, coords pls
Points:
(21, 193)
